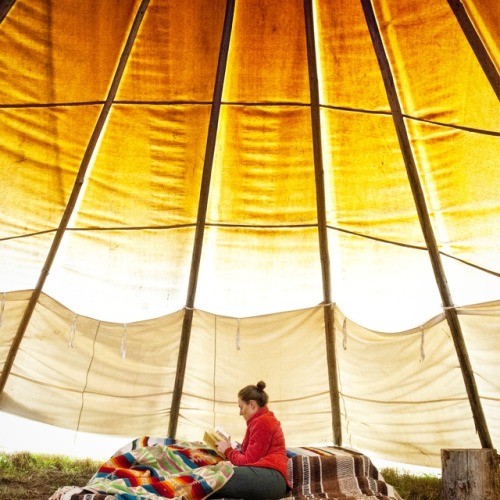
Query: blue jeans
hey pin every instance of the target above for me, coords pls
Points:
(253, 483)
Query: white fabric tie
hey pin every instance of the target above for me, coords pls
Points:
(422, 339)
(72, 331)
(2, 308)
(344, 332)
(123, 348)
(238, 338)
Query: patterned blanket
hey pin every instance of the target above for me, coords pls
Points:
(335, 473)
(158, 468)
(153, 469)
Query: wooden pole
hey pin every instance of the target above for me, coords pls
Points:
(5, 8)
(70, 206)
(477, 45)
(331, 355)
(200, 220)
(470, 474)
(425, 223)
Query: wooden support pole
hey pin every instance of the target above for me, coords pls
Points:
(427, 229)
(75, 192)
(201, 219)
(477, 45)
(471, 474)
(331, 355)
(5, 8)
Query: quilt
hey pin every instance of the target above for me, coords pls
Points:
(156, 468)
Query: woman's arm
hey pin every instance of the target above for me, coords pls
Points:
(259, 440)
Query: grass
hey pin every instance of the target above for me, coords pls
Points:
(413, 487)
(28, 476)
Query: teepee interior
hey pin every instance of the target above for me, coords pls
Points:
(199, 195)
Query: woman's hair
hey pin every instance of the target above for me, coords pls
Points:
(255, 393)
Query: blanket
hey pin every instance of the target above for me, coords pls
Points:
(154, 469)
(157, 468)
(335, 473)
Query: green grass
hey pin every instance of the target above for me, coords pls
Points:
(28, 476)
(414, 487)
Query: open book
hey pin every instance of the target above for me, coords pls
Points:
(212, 436)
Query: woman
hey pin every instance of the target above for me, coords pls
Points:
(262, 464)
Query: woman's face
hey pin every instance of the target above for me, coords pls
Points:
(247, 409)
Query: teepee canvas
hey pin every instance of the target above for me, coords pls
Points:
(195, 196)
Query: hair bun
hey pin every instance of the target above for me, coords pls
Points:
(255, 393)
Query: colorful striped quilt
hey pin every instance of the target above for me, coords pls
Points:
(157, 468)
(154, 468)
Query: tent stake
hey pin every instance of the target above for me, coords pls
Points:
(70, 206)
(200, 220)
(425, 223)
(322, 225)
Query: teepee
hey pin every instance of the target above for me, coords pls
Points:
(199, 195)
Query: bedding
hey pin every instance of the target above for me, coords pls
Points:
(335, 473)
(156, 468)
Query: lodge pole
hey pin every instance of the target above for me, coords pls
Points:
(322, 225)
(75, 192)
(200, 220)
(449, 310)
(476, 44)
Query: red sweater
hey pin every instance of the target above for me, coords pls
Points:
(263, 445)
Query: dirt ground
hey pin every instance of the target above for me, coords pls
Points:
(38, 488)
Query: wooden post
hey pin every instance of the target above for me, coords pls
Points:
(471, 474)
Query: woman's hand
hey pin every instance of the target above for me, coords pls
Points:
(222, 446)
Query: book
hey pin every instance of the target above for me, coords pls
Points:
(212, 436)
